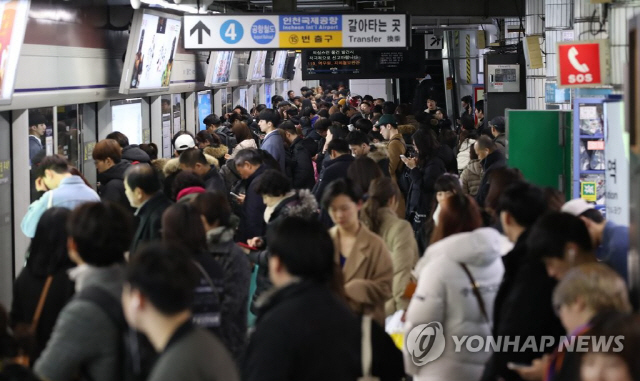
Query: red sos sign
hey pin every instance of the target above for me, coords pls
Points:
(583, 63)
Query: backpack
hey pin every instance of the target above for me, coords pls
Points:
(227, 138)
(136, 352)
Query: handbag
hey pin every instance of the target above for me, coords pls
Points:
(27, 333)
(478, 295)
(367, 352)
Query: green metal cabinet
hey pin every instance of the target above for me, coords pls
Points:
(539, 144)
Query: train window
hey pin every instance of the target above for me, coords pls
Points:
(126, 117)
(40, 141)
(68, 133)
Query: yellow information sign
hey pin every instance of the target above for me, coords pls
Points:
(311, 39)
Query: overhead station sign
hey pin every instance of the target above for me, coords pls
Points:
(229, 32)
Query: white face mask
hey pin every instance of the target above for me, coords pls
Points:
(351, 127)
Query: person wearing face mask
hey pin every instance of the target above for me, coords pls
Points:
(281, 201)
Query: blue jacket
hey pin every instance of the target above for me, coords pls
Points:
(614, 248)
(275, 146)
(71, 193)
(35, 146)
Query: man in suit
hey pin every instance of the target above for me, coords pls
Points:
(142, 188)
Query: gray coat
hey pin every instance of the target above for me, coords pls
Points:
(85, 341)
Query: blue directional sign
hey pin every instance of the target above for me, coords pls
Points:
(231, 32)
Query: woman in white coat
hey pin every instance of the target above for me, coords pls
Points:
(445, 293)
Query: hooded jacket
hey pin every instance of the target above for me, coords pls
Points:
(421, 190)
(301, 204)
(217, 152)
(112, 184)
(471, 177)
(132, 153)
(444, 294)
(171, 169)
(380, 155)
(299, 167)
(236, 279)
(334, 169)
(495, 160)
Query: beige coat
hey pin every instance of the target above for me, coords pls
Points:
(396, 148)
(398, 235)
(368, 273)
(472, 177)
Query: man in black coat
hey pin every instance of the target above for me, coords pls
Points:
(249, 164)
(523, 304)
(298, 164)
(143, 190)
(336, 168)
(194, 160)
(491, 159)
(424, 89)
(305, 330)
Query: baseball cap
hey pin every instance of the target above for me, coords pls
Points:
(498, 121)
(387, 119)
(184, 142)
(576, 207)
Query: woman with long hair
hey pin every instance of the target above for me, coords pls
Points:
(47, 263)
(361, 172)
(378, 214)
(458, 279)
(424, 171)
(244, 138)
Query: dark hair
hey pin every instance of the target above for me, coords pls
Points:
(377, 109)
(211, 119)
(499, 179)
(554, 199)
(480, 105)
(381, 191)
(243, 110)
(356, 138)
(151, 149)
(322, 125)
(48, 251)
(308, 111)
(296, 235)
(273, 183)
(337, 188)
(144, 177)
(448, 138)
(119, 137)
(250, 155)
(107, 148)
(185, 179)
(289, 127)
(427, 144)
(339, 145)
(458, 214)
(594, 215)
(389, 107)
(323, 113)
(214, 206)
(361, 172)
(193, 156)
(36, 118)
(338, 131)
(56, 163)
(364, 125)
(291, 91)
(550, 234)
(525, 202)
(102, 232)
(448, 183)
(165, 274)
(181, 224)
(204, 136)
(467, 99)
(468, 122)
(241, 131)
(473, 155)
(270, 115)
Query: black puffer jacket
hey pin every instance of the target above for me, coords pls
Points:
(298, 165)
(300, 204)
(421, 190)
(132, 153)
(111, 186)
(495, 160)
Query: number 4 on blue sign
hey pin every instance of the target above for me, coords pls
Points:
(231, 32)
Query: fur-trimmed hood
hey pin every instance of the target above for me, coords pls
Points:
(217, 152)
(173, 165)
(381, 152)
(303, 204)
(405, 129)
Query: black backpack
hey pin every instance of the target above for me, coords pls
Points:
(136, 352)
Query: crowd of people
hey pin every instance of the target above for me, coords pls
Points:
(280, 244)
